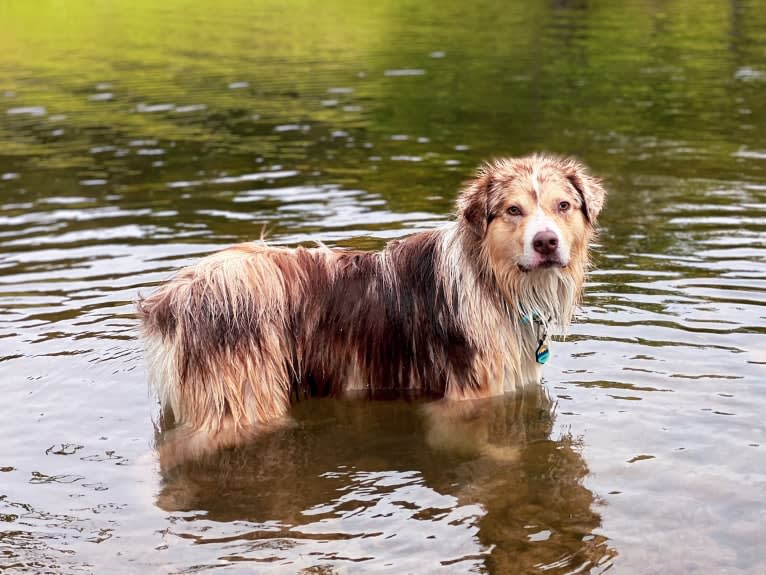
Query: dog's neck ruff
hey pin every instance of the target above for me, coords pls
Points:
(544, 305)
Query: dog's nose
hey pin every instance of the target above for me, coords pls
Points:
(545, 243)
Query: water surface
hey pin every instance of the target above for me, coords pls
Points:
(136, 137)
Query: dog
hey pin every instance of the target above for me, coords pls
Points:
(465, 311)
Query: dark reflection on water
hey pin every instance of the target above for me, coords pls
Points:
(135, 138)
(409, 487)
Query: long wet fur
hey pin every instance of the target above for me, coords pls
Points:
(233, 340)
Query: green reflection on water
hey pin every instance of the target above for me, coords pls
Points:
(235, 87)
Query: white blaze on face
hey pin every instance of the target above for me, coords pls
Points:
(539, 221)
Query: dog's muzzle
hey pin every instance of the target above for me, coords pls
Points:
(545, 243)
(547, 253)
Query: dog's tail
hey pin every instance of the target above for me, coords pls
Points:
(218, 346)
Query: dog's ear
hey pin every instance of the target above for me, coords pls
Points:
(590, 189)
(473, 203)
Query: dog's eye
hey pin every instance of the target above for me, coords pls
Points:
(514, 210)
(564, 206)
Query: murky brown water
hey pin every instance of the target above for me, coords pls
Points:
(136, 137)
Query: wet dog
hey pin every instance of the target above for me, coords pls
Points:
(460, 312)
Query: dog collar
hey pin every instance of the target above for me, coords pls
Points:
(543, 352)
(533, 316)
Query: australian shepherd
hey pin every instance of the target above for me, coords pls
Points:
(463, 311)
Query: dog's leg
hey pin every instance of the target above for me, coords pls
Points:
(226, 398)
(186, 444)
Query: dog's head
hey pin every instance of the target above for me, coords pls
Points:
(531, 214)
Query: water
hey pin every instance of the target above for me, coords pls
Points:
(136, 137)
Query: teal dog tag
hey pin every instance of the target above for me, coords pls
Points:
(542, 353)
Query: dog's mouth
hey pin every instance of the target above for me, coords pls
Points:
(544, 264)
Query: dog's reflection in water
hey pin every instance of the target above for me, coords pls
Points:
(496, 454)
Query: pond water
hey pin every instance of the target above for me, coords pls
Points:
(136, 137)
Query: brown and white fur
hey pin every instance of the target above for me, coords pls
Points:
(235, 339)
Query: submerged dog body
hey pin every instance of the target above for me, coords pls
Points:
(457, 312)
